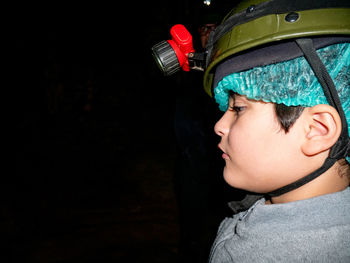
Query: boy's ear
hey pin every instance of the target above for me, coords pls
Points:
(323, 129)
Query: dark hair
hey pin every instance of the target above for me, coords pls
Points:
(287, 115)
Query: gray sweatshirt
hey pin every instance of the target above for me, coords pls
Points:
(312, 230)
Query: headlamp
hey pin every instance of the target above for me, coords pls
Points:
(177, 53)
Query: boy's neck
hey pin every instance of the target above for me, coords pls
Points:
(327, 183)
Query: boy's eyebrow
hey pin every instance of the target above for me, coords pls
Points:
(234, 96)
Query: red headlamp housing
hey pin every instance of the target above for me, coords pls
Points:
(177, 53)
(182, 44)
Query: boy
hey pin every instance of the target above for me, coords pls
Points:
(285, 130)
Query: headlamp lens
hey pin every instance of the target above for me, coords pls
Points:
(165, 58)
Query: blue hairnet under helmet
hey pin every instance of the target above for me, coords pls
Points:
(291, 82)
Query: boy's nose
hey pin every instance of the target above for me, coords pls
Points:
(221, 127)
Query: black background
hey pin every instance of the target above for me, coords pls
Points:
(95, 145)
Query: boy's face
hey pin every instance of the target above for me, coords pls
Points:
(259, 155)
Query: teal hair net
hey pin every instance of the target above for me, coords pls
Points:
(291, 82)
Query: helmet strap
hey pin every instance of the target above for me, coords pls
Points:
(341, 149)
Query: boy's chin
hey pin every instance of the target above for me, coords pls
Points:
(238, 181)
(232, 179)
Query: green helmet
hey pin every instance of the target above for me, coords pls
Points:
(255, 23)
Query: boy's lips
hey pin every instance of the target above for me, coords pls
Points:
(224, 154)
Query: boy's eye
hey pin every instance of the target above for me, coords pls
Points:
(237, 109)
